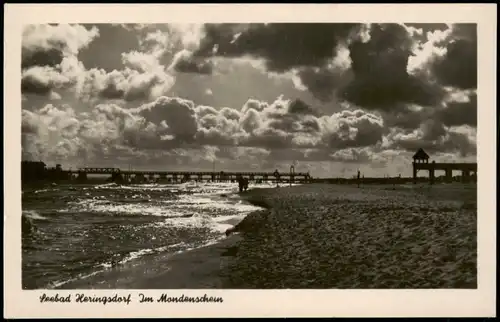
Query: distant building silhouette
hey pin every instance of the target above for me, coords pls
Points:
(32, 171)
(37, 171)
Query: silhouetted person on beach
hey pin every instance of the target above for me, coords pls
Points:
(242, 183)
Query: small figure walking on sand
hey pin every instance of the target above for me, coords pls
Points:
(242, 183)
(359, 174)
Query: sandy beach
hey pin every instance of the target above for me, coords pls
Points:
(334, 236)
(327, 236)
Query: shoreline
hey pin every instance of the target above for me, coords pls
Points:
(198, 268)
(207, 267)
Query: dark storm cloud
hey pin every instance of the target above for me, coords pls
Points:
(432, 130)
(458, 67)
(460, 113)
(351, 156)
(300, 107)
(270, 137)
(191, 66)
(379, 66)
(433, 137)
(406, 118)
(451, 143)
(32, 85)
(459, 142)
(179, 116)
(36, 57)
(283, 45)
(321, 82)
(111, 91)
(372, 73)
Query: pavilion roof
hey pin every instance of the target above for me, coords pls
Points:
(421, 155)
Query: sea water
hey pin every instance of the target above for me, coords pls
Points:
(76, 231)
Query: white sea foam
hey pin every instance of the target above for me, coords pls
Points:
(212, 206)
(79, 277)
(208, 198)
(32, 214)
(142, 252)
(107, 207)
(198, 221)
(43, 190)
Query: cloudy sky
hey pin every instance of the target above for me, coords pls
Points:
(329, 98)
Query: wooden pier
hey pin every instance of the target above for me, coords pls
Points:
(183, 176)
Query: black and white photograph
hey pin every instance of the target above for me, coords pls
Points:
(249, 156)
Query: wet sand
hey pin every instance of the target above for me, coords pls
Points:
(327, 236)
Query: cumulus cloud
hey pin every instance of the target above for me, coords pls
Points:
(49, 56)
(55, 96)
(163, 40)
(42, 80)
(140, 61)
(352, 129)
(127, 84)
(172, 122)
(157, 43)
(49, 133)
(188, 34)
(50, 63)
(46, 45)
(58, 132)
